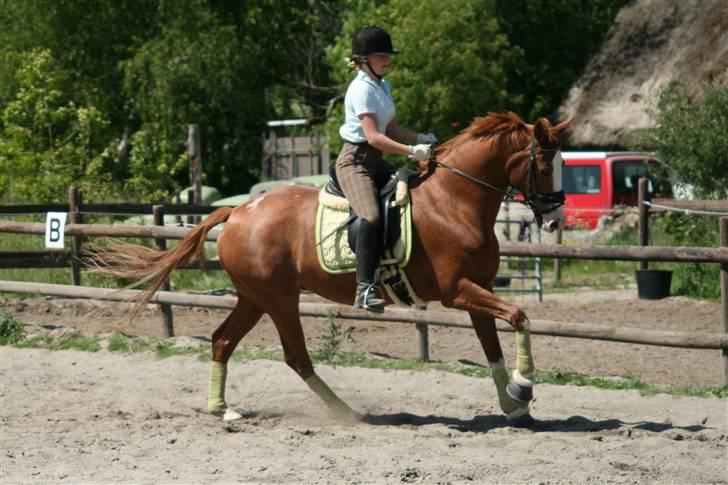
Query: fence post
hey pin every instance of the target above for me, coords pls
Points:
(190, 201)
(195, 154)
(74, 201)
(168, 319)
(424, 342)
(557, 261)
(724, 293)
(643, 228)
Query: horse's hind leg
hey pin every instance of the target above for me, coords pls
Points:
(224, 340)
(488, 336)
(288, 323)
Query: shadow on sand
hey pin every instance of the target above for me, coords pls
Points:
(483, 424)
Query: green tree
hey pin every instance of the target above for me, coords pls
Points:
(690, 134)
(212, 64)
(451, 63)
(50, 139)
(553, 41)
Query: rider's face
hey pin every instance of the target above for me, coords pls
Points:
(378, 63)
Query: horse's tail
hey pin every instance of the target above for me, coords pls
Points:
(141, 264)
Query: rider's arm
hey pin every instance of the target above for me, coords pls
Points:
(401, 133)
(378, 140)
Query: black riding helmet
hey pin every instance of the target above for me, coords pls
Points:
(372, 40)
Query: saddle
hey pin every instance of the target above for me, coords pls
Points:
(336, 234)
(390, 231)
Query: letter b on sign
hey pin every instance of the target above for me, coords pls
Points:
(55, 226)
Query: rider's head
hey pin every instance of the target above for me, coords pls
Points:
(372, 47)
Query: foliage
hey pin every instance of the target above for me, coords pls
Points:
(698, 280)
(11, 331)
(329, 350)
(119, 80)
(50, 139)
(441, 80)
(690, 136)
(477, 56)
(552, 42)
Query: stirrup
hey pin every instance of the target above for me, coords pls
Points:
(367, 299)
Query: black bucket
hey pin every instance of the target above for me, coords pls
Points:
(653, 284)
(502, 281)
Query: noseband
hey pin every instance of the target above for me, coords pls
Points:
(539, 202)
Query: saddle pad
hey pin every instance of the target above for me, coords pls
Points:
(332, 244)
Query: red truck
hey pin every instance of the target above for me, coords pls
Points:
(596, 182)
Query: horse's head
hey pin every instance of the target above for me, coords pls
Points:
(537, 176)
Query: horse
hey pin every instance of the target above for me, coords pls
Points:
(267, 248)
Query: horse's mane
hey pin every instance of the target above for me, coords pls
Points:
(511, 131)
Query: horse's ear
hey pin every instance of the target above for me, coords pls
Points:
(561, 127)
(541, 129)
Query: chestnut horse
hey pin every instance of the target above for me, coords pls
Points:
(267, 248)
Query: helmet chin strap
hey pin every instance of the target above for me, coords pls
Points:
(371, 69)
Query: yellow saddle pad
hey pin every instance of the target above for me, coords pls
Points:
(332, 244)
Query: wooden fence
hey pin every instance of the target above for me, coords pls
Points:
(160, 233)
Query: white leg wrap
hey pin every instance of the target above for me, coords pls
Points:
(523, 380)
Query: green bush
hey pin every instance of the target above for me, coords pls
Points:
(699, 280)
(689, 135)
(11, 331)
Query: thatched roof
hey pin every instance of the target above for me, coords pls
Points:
(651, 43)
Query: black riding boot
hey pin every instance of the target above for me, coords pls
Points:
(367, 262)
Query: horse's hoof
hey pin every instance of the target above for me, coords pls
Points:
(231, 415)
(524, 421)
(519, 393)
(349, 417)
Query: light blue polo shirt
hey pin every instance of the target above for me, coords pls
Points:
(366, 96)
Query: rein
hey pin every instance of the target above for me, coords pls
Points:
(551, 200)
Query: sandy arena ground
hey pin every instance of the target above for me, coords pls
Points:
(80, 417)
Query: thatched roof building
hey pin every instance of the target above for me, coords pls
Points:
(651, 43)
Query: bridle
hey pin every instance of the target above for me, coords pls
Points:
(539, 202)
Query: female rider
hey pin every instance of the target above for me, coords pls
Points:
(369, 131)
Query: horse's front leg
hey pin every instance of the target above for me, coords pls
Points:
(484, 307)
(514, 409)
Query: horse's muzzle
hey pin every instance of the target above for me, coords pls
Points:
(550, 225)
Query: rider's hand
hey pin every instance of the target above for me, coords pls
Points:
(420, 152)
(428, 138)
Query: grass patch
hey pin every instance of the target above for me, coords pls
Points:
(164, 348)
(64, 342)
(11, 331)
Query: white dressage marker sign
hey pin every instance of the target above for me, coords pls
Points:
(55, 224)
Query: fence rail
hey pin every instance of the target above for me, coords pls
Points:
(394, 315)
(642, 253)
(109, 209)
(611, 253)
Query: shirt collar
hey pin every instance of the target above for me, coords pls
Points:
(365, 77)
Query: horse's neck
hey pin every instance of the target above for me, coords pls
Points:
(474, 203)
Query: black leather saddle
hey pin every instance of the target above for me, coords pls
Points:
(390, 216)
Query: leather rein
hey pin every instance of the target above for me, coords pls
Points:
(539, 202)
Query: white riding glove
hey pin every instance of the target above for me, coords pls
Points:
(428, 138)
(420, 152)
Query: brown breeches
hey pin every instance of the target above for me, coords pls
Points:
(360, 169)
